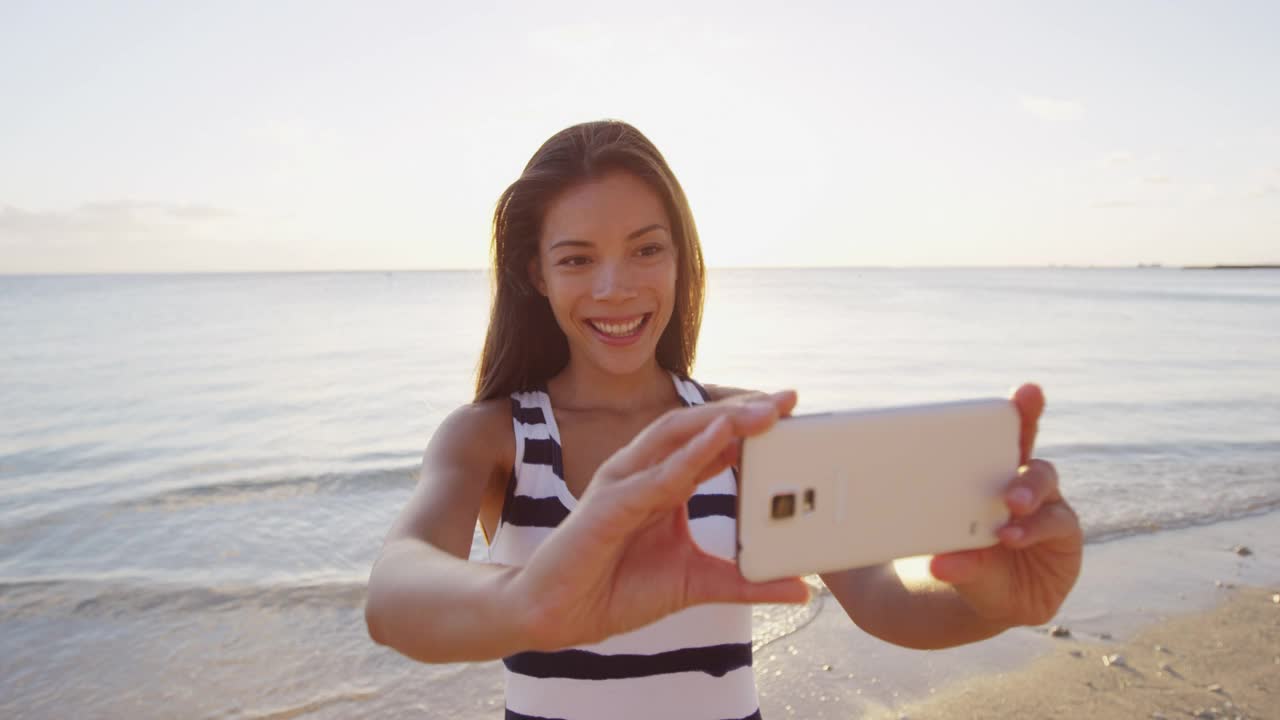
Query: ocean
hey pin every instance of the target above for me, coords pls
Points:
(197, 471)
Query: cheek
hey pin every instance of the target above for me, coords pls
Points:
(563, 292)
(665, 278)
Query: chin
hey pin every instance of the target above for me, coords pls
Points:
(631, 363)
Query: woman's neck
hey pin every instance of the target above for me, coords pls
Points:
(582, 386)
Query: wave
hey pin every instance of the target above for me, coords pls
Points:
(350, 695)
(1228, 406)
(49, 459)
(120, 597)
(124, 597)
(336, 483)
(86, 598)
(1099, 532)
(1162, 449)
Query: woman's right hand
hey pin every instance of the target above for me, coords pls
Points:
(625, 557)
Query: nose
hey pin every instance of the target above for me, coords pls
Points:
(612, 282)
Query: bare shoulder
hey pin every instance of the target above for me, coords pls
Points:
(723, 392)
(468, 456)
(486, 414)
(474, 432)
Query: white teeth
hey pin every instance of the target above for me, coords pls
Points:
(617, 329)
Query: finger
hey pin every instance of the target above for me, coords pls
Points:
(659, 438)
(676, 427)
(1036, 484)
(743, 397)
(715, 580)
(754, 396)
(727, 456)
(731, 454)
(1029, 399)
(1054, 521)
(683, 469)
(639, 496)
(959, 568)
(725, 460)
(785, 401)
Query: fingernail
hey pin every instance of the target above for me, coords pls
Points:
(1020, 497)
(1012, 533)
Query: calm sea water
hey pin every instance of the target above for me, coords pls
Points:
(196, 472)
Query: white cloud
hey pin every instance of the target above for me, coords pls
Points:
(112, 218)
(1052, 109)
(1119, 157)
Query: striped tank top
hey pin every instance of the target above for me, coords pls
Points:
(694, 664)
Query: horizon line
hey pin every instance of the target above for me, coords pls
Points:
(337, 271)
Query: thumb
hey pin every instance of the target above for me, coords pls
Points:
(715, 580)
(960, 568)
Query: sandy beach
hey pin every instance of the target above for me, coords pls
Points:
(1190, 628)
(1224, 663)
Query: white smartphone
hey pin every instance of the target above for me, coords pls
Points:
(832, 491)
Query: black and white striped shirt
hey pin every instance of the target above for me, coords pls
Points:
(693, 664)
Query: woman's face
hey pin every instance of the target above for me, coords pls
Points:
(607, 264)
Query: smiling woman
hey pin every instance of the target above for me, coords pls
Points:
(590, 195)
(602, 477)
(614, 290)
(606, 595)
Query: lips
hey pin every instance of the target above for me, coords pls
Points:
(617, 329)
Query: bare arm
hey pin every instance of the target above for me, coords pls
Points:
(915, 612)
(425, 599)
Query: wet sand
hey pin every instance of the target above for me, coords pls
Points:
(1223, 663)
(1210, 609)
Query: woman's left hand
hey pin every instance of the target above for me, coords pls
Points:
(1024, 578)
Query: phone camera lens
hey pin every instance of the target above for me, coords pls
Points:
(783, 505)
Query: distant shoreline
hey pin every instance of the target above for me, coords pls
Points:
(732, 268)
(1232, 267)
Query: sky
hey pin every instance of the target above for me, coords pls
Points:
(262, 136)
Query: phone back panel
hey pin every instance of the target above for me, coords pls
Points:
(871, 486)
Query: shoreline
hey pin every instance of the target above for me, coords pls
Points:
(1175, 584)
(1222, 663)
(314, 659)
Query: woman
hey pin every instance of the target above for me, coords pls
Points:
(601, 475)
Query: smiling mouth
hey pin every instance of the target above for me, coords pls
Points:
(620, 329)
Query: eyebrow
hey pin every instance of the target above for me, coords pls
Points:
(574, 242)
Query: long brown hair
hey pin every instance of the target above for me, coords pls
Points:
(524, 346)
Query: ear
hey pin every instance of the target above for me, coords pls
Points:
(535, 275)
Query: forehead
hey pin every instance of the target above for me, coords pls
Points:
(603, 209)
